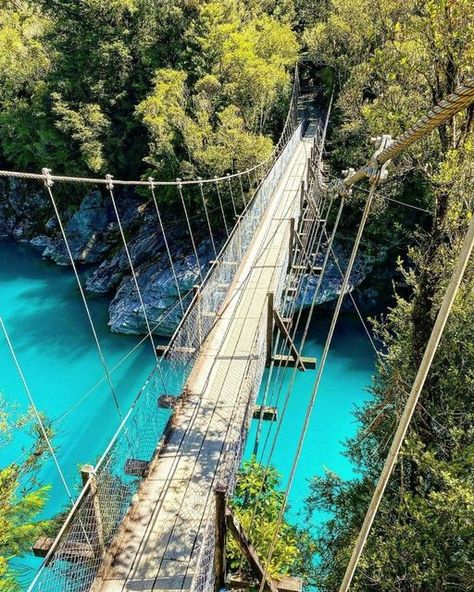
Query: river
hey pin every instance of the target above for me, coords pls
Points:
(44, 315)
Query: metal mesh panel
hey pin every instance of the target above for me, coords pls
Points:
(100, 509)
(97, 517)
(200, 316)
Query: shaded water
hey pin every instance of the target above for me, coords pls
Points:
(43, 312)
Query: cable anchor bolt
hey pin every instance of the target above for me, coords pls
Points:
(48, 181)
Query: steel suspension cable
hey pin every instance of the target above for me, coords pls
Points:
(135, 279)
(222, 208)
(35, 411)
(303, 341)
(410, 406)
(303, 256)
(211, 234)
(48, 185)
(191, 234)
(168, 251)
(321, 367)
(231, 195)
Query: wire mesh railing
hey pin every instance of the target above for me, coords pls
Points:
(203, 570)
(73, 561)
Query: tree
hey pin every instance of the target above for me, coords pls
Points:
(391, 61)
(257, 504)
(22, 498)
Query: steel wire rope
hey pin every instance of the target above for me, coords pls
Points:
(222, 208)
(119, 363)
(163, 233)
(48, 185)
(211, 234)
(314, 228)
(191, 234)
(135, 279)
(35, 411)
(305, 333)
(302, 345)
(320, 371)
(300, 278)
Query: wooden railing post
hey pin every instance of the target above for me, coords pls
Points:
(197, 293)
(302, 197)
(269, 329)
(220, 493)
(88, 476)
(291, 244)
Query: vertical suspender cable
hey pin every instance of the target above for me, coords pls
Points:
(321, 367)
(49, 184)
(110, 188)
(231, 194)
(170, 258)
(221, 206)
(422, 373)
(191, 235)
(211, 235)
(242, 190)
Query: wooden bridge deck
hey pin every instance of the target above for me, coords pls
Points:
(158, 549)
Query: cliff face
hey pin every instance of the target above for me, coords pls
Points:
(96, 245)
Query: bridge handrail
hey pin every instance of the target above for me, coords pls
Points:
(114, 483)
(287, 132)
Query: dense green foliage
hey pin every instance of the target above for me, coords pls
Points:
(257, 504)
(21, 498)
(101, 85)
(392, 60)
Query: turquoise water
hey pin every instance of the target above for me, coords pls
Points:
(347, 375)
(44, 315)
(45, 318)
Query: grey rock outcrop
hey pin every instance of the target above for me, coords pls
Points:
(159, 292)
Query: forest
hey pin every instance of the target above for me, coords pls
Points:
(189, 88)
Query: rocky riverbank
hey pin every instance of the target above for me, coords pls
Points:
(96, 246)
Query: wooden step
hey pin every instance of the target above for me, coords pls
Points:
(265, 413)
(290, 362)
(70, 550)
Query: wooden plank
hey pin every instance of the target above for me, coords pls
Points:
(266, 413)
(294, 351)
(282, 360)
(284, 584)
(68, 551)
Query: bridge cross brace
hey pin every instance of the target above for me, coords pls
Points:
(227, 523)
(294, 359)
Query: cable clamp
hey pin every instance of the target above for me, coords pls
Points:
(48, 181)
(109, 185)
(376, 172)
(151, 180)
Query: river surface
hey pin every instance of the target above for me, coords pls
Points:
(44, 315)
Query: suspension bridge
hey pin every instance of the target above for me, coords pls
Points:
(152, 513)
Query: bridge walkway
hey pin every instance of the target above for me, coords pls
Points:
(159, 542)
